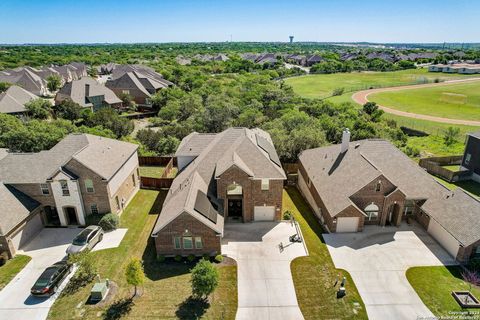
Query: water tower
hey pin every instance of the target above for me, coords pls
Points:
(291, 39)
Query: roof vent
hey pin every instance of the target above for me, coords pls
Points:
(357, 145)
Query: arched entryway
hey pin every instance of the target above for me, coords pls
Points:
(235, 202)
(71, 215)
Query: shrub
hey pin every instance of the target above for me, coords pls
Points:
(206, 256)
(178, 258)
(218, 258)
(3, 258)
(287, 215)
(161, 258)
(109, 222)
(204, 279)
(191, 258)
(338, 91)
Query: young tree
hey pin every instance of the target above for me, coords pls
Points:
(39, 108)
(54, 82)
(450, 136)
(204, 279)
(126, 99)
(134, 273)
(472, 278)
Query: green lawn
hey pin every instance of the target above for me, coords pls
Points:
(322, 85)
(167, 287)
(10, 269)
(454, 101)
(314, 275)
(470, 186)
(151, 171)
(434, 146)
(434, 286)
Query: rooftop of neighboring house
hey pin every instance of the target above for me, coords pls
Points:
(79, 90)
(15, 206)
(475, 134)
(337, 176)
(13, 100)
(250, 150)
(143, 78)
(102, 155)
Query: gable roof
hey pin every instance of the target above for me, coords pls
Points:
(338, 176)
(217, 153)
(103, 156)
(15, 206)
(13, 100)
(76, 90)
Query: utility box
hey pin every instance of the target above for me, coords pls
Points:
(99, 291)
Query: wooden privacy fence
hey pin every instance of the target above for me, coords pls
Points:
(155, 161)
(434, 165)
(155, 183)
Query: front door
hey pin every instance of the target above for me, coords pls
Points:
(235, 209)
(51, 216)
(71, 215)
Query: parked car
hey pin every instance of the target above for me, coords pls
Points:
(49, 281)
(86, 240)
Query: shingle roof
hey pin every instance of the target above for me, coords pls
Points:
(234, 146)
(15, 206)
(77, 92)
(475, 134)
(102, 155)
(14, 99)
(338, 176)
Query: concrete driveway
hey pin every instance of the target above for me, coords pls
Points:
(265, 286)
(377, 260)
(45, 249)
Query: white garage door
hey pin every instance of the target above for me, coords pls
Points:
(264, 213)
(28, 232)
(349, 224)
(448, 242)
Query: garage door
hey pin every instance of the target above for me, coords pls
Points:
(349, 224)
(264, 213)
(28, 232)
(445, 239)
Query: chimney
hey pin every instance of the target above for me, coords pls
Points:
(345, 140)
(87, 90)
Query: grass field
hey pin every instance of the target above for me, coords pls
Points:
(454, 101)
(314, 275)
(434, 286)
(469, 185)
(10, 269)
(167, 288)
(322, 85)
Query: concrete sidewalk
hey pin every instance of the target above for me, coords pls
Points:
(265, 285)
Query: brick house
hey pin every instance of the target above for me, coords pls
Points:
(140, 82)
(82, 175)
(232, 176)
(371, 182)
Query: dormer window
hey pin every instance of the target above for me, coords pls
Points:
(44, 188)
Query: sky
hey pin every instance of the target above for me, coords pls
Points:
(117, 21)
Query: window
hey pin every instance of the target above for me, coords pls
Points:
(265, 184)
(117, 202)
(187, 243)
(372, 211)
(148, 101)
(198, 243)
(477, 253)
(44, 188)
(468, 157)
(133, 180)
(94, 208)
(409, 207)
(126, 91)
(64, 185)
(176, 243)
(373, 215)
(89, 186)
(378, 187)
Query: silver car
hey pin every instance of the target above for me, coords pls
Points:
(87, 239)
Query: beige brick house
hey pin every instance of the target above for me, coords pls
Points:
(232, 176)
(82, 175)
(371, 182)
